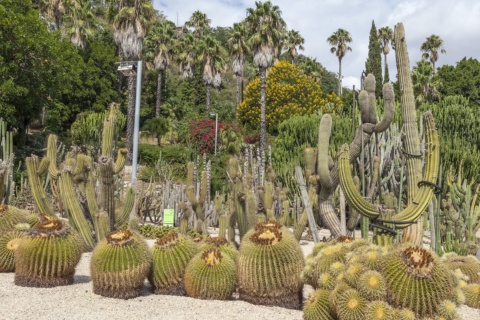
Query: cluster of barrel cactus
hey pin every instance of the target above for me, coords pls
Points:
(357, 280)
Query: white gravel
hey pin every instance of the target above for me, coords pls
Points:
(77, 301)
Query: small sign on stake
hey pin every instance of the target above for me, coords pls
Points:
(168, 217)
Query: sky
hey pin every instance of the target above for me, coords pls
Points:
(457, 22)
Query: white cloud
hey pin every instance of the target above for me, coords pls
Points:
(456, 22)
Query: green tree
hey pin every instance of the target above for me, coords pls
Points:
(35, 68)
(79, 22)
(238, 48)
(266, 27)
(374, 60)
(431, 48)
(292, 40)
(130, 19)
(211, 54)
(425, 83)
(338, 40)
(185, 54)
(462, 79)
(289, 93)
(52, 9)
(199, 22)
(385, 35)
(159, 47)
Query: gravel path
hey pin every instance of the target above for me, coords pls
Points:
(77, 301)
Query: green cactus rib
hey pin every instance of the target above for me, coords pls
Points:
(210, 275)
(119, 265)
(423, 196)
(128, 205)
(41, 199)
(469, 265)
(350, 305)
(171, 255)
(74, 211)
(417, 280)
(47, 256)
(52, 156)
(223, 245)
(317, 306)
(269, 269)
(10, 216)
(9, 242)
(108, 132)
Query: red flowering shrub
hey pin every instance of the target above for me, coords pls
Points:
(202, 134)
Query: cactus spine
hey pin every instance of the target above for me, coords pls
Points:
(47, 256)
(7, 185)
(210, 275)
(9, 243)
(171, 255)
(119, 265)
(269, 266)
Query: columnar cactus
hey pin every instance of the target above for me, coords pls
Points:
(119, 265)
(328, 172)
(77, 177)
(171, 255)
(269, 266)
(422, 198)
(37, 259)
(7, 185)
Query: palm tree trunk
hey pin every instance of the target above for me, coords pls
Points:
(130, 118)
(158, 101)
(239, 83)
(263, 106)
(208, 98)
(339, 76)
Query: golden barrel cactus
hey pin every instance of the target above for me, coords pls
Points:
(47, 256)
(119, 265)
(269, 267)
(171, 255)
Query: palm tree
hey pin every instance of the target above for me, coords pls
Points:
(430, 49)
(311, 67)
(339, 40)
(130, 19)
(210, 53)
(238, 47)
(425, 83)
(199, 22)
(292, 40)
(185, 54)
(79, 22)
(53, 9)
(266, 27)
(385, 35)
(160, 41)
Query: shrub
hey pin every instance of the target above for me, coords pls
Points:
(288, 93)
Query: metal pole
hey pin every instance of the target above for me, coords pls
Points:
(216, 132)
(137, 122)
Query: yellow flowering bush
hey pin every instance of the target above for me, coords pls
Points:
(289, 93)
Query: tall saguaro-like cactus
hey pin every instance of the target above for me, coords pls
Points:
(411, 141)
(77, 176)
(6, 161)
(421, 199)
(327, 171)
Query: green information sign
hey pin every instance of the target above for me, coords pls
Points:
(168, 217)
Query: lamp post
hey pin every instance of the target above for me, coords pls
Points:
(128, 69)
(216, 129)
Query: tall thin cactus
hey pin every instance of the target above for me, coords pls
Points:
(7, 185)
